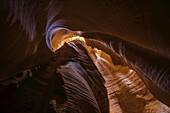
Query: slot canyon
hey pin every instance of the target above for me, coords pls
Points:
(84, 56)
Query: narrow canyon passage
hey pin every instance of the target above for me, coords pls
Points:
(84, 56)
(78, 85)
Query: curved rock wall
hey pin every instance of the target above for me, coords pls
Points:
(138, 32)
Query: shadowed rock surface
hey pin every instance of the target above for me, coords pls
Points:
(134, 33)
(68, 83)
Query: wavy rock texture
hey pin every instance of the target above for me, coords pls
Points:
(68, 83)
(136, 31)
(127, 92)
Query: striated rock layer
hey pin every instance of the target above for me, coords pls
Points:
(68, 83)
(126, 90)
